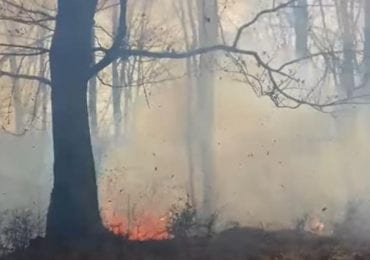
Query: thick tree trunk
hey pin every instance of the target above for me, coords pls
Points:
(73, 211)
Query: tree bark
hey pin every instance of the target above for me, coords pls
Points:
(73, 211)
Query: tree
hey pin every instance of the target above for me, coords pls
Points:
(190, 40)
(74, 210)
(202, 31)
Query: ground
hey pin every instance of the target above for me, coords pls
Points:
(236, 243)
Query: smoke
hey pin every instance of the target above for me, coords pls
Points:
(271, 166)
(26, 170)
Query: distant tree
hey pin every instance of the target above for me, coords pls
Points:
(347, 71)
(208, 26)
(366, 13)
(301, 27)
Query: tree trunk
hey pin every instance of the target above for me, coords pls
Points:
(73, 211)
(116, 99)
(191, 64)
(347, 76)
(16, 92)
(127, 95)
(116, 90)
(367, 41)
(44, 89)
(301, 28)
(17, 98)
(92, 94)
(208, 35)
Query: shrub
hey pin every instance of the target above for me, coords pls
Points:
(18, 227)
(184, 222)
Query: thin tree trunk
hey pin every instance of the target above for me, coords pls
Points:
(44, 89)
(127, 94)
(73, 211)
(116, 99)
(347, 76)
(92, 94)
(301, 28)
(367, 41)
(190, 42)
(44, 92)
(116, 90)
(208, 35)
(17, 97)
(16, 91)
(192, 64)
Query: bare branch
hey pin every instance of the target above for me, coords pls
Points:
(25, 76)
(28, 10)
(255, 19)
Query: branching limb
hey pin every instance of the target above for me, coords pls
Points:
(25, 76)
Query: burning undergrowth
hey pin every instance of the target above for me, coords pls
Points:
(148, 225)
(145, 227)
(180, 222)
(181, 234)
(140, 218)
(139, 211)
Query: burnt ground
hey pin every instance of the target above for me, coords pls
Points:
(236, 243)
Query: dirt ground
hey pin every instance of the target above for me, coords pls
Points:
(236, 243)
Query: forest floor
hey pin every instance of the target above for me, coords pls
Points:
(236, 243)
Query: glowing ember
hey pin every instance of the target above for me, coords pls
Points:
(145, 227)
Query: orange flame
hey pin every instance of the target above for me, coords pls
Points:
(145, 227)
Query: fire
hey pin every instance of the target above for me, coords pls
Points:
(145, 227)
(314, 225)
